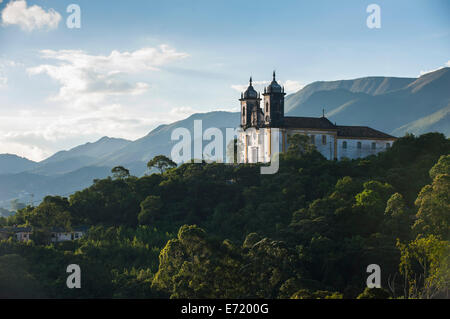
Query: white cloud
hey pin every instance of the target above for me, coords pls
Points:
(29, 18)
(290, 86)
(88, 80)
(447, 64)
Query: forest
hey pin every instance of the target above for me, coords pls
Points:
(213, 230)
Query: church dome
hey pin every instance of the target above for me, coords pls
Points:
(250, 93)
(274, 87)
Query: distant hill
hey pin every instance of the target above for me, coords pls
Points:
(393, 105)
(81, 156)
(436, 122)
(135, 155)
(374, 85)
(28, 186)
(10, 163)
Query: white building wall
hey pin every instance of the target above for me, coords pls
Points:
(258, 144)
(352, 151)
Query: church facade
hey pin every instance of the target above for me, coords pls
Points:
(262, 127)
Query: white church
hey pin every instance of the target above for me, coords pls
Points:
(334, 141)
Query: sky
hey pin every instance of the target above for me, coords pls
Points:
(133, 65)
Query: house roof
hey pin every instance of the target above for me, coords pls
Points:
(63, 230)
(308, 122)
(361, 132)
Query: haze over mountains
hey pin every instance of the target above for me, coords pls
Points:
(392, 105)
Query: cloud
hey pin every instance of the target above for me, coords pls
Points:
(29, 18)
(290, 86)
(447, 64)
(88, 80)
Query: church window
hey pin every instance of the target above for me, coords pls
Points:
(359, 145)
(324, 139)
(243, 111)
(267, 107)
(344, 144)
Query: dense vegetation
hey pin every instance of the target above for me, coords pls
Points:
(225, 231)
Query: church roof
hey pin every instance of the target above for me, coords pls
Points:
(361, 132)
(342, 130)
(273, 87)
(308, 122)
(250, 93)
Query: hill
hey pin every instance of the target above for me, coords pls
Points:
(10, 163)
(391, 105)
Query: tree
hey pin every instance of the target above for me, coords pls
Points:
(120, 172)
(52, 212)
(150, 210)
(16, 280)
(320, 294)
(374, 293)
(196, 266)
(441, 167)
(425, 265)
(162, 163)
(299, 144)
(398, 221)
(433, 201)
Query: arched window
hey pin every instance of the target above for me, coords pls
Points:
(243, 111)
(374, 145)
(267, 107)
(344, 144)
(324, 139)
(358, 145)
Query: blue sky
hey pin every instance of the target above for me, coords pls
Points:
(136, 64)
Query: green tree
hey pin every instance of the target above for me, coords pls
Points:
(161, 162)
(120, 172)
(374, 293)
(299, 144)
(433, 202)
(16, 281)
(151, 209)
(425, 265)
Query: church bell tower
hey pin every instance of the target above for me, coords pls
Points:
(274, 104)
(250, 107)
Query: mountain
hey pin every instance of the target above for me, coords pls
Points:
(84, 155)
(29, 187)
(369, 85)
(436, 122)
(68, 171)
(135, 155)
(393, 105)
(10, 163)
